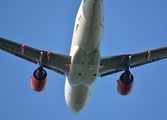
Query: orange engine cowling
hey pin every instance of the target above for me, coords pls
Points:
(39, 80)
(125, 83)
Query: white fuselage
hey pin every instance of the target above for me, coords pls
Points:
(85, 54)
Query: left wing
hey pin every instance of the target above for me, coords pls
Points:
(114, 64)
(53, 61)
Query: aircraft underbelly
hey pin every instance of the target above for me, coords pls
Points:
(88, 27)
(85, 54)
(84, 67)
(85, 50)
(77, 97)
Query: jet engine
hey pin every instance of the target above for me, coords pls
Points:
(39, 79)
(125, 83)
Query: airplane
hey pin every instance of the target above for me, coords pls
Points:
(84, 64)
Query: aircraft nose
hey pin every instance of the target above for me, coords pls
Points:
(77, 108)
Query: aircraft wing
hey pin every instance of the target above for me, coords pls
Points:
(53, 61)
(114, 64)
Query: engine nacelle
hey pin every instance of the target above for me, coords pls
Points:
(39, 80)
(125, 83)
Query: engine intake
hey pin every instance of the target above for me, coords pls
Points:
(125, 83)
(39, 80)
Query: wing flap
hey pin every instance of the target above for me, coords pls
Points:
(53, 61)
(110, 65)
(14, 48)
(148, 57)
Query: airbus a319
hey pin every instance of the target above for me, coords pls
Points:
(84, 63)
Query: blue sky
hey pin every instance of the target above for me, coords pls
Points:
(130, 26)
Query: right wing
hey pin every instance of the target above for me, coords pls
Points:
(53, 61)
(114, 64)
